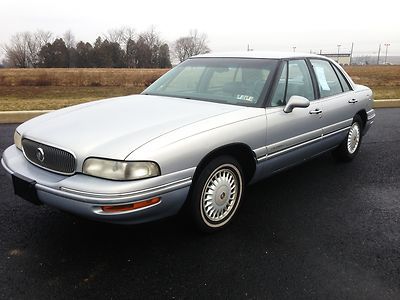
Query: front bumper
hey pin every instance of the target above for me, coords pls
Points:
(84, 195)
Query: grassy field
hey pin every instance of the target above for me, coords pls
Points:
(36, 89)
(383, 80)
(53, 97)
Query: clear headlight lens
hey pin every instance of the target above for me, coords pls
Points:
(120, 170)
(17, 140)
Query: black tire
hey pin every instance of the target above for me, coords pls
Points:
(349, 148)
(211, 207)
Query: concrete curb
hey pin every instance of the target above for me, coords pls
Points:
(387, 103)
(22, 116)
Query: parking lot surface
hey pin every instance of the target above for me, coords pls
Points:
(320, 230)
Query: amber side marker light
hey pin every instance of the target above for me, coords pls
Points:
(131, 206)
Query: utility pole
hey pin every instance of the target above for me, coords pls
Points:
(379, 54)
(338, 51)
(387, 46)
(294, 49)
(351, 52)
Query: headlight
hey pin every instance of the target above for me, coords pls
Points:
(120, 170)
(17, 140)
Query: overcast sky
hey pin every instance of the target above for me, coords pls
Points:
(230, 25)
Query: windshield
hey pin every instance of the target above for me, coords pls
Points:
(239, 81)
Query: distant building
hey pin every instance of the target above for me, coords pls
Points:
(341, 58)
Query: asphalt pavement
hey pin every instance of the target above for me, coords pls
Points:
(320, 230)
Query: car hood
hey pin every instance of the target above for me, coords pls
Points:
(113, 128)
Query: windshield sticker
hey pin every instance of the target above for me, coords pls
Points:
(319, 71)
(245, 98)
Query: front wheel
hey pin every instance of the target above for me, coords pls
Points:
(349, 148)
(216, 194)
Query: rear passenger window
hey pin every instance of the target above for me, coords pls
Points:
(295, 81)
(342, 79)
(328, 82)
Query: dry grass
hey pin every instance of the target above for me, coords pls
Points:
(34, 89)
(383, 80)
(54, 97)
(79, 77)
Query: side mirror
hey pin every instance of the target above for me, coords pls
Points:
(296, 101)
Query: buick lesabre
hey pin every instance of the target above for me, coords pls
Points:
(192, 141)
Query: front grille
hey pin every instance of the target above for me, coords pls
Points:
(48, 157)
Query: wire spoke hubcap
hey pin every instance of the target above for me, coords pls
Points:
(353, 139)
(220, 193)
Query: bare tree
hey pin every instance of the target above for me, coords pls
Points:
(194, 44)
(23, 49)
(151, 37)
(120, 35)
(114, 35)
(17, 50)
(69, 39)
(44, 37)
(151, 40)
(70, 43)
(35, 43)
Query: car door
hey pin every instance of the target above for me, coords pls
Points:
(336, 96)
(290, 135)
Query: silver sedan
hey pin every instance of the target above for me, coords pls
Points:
(192, 141)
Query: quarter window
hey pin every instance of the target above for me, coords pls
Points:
(328, 82)
(342, 79)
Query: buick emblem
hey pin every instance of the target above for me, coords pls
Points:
(40, 154)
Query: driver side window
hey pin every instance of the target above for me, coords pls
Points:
(295, 79)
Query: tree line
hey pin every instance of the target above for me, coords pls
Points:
(118, 48)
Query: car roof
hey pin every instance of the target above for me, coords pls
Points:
(258, 54)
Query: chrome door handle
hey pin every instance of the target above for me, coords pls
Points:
(353, 101)
(315, 111)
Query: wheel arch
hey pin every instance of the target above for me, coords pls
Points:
(240, 151)
(363, 115)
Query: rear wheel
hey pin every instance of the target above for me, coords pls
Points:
(216, 194)
(349, 148)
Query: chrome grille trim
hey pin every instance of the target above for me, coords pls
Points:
(56, 160)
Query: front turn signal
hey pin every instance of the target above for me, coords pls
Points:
(131, 206)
